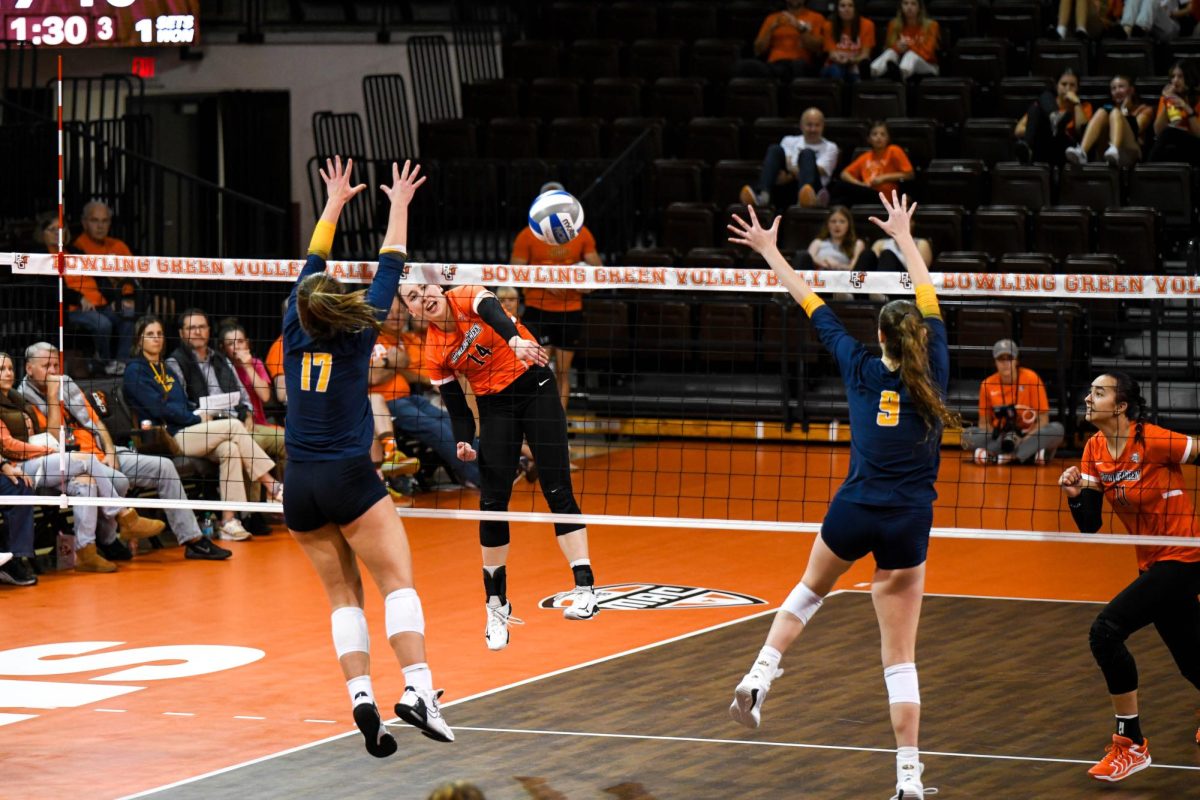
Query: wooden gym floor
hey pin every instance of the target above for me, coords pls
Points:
(1013, 703)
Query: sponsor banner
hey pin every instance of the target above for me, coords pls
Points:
(956, 284)
(657, 596)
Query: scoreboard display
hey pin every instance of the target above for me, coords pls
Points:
(100, 23)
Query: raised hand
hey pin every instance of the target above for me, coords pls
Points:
(752, 234)
(404, 183)
(900, 213)
(337, 180)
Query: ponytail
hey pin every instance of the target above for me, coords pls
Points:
(1128, 391)
(327, 310)
(906, 339)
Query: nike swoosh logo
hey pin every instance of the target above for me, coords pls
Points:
(543, 383)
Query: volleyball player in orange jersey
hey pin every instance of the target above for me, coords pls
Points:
(471, 335)
(1137, 466)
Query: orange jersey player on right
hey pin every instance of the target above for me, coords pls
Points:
(1137, 465)
(470, 335)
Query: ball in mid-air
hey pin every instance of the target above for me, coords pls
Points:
(556, 217)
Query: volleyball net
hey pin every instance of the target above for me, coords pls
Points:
(698, 396)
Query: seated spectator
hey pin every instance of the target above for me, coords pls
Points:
(911, 45)
(1054, 122)
(411, 412)
(837, 246)
(1176, 124)
(790, 41)
(849, 40)
(1014, 414)
(1093, 18)
(1121, 125)
(157, 396)
(40, 388)
(796, 169)
(510, 301)
(86, 476)
(879, 170)
(274, 365)
(18, 546)
(889, 257)
(1154, 18)
(122, 292)
(256, 385)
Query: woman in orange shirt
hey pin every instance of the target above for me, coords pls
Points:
(1177, 120)
(880, 170)
(1054, 122)
(789, 40)
(849, 39)
(1137, 466)
(1121, 123)
(911, 45)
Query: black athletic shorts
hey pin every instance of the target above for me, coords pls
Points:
(897, 536)
(316, 493)
(563, 329)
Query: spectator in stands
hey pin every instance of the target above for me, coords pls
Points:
(797, 169)
(510, 301)
(849, 40)
(1176, 124)
(84, 426)
(1014, 414)
(911, 45)
(157, 396)
(95, 241)
(1121, 125)
(889, 257)
(25, 441)
(555, 316)
(274, 365)
(877, 171)
(256, 386)
(18, 546)
(791, 41)
(1155, 18)
(1054, 122)
(837, 246)
(411, 412)
(1092, 18)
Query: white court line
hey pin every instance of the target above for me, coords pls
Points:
(178, 714)
(109, 710)
(536, 678)
(240, 716)
(795, 745)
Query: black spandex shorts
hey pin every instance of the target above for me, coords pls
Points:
(562, 329)
(897, 536)
(316, 493)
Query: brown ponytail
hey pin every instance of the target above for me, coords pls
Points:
(326, 309)
(906, 339)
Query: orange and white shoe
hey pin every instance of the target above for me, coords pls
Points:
(1121, 759)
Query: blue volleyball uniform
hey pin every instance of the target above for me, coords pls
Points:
(329, 428)
(894, 455)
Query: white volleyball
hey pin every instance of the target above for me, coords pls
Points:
(556, 217)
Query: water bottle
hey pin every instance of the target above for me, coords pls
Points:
(206, 525)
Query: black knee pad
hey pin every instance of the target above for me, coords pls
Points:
(1107, 640)
(493, 533)
(561, 500)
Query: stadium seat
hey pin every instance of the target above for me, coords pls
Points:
(822, 93)
(862, 213)
(957, 19)
(485, 100)
(1063, 231)
(1131, 234)
(448, 139)
(677, 180)
(1132, 57)
(527, 59)
(569, 21)
(726, 334)
(512, 137)
(689, 20)
(1094, 89)
(688, 225)
(712, 139)
(624, 131)
(766, 131)
(606, 333)
(792, 329)
(989, 139)
(977, 327)
(917, 136)
(983, 61)
(1017, 94)
(663, 334)
(848, 134)
(610, 98)
(1015, 21)
(655, 58)
(1047, 336)
(862, 322)
(942, 225)
(1096, 186)
(1021, 185)
(999, 229)
(1048, 58)
(629, 21)
(947, 100)
(729, 176)
(713, 59)
(1026, 263)
(679, 100)
(553, 97)
(961, 261)
(1103, 314)
(957, 180)
(741, 19)
(751, 98)
(573, 138)
(710, 257)
(649, 257)
(595, 58)
(878, 100)
(1167, 187)
(799, 227)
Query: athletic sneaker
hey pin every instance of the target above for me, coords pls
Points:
(5, 558)
(1075, 155)
(18, 573)
(420, 709)
(498, 620)
(584, 603)
(751, 693)
(982, 456)
(1113, 156)
(205, 550)
(232, 531)
(909, 786)
(1121, 759)
(380, 743)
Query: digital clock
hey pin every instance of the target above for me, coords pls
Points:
(105, 23)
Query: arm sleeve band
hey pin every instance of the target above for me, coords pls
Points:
(462, 421)
(811, 304)
(491, 312)
(1086, 510)
(322, 239)
(927, 302)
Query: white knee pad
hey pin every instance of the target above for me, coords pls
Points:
(803, 602)
(403, 613)
(350, 631)
(902, 686)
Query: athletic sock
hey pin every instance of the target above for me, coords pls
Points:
(1130, 728)
(360, 690)
(908, 762)
(582, 568)
(418, 676)
(495, 585)
(770, 656)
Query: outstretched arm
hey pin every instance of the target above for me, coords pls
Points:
(339, 191)
(898, 225)
(763, 241)
(394, 252)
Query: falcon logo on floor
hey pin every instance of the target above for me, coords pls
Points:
(653, 596)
